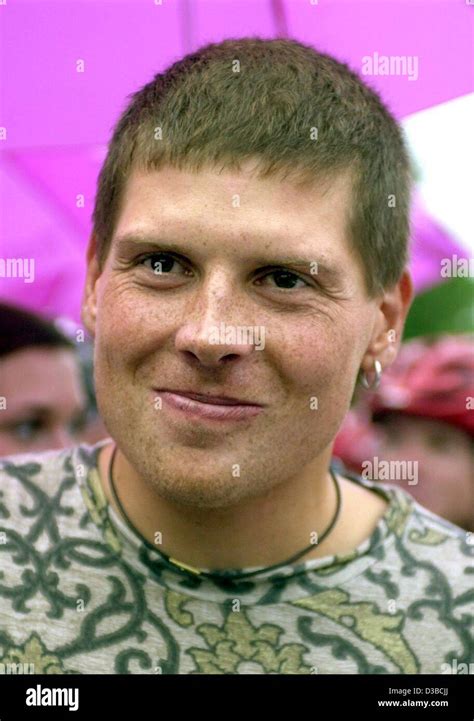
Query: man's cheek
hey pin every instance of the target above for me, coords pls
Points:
(110, 360)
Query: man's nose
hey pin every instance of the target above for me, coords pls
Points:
(219, 327)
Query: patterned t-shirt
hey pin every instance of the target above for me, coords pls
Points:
(79, 592)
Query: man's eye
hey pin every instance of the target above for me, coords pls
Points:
(285, 279)
(163, 264)
(160, 263)
(27, 430)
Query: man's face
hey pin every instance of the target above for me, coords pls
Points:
(227, 240)
(445, 460)
(45, 400)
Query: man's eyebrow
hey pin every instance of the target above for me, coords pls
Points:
(315, 265)
(36, 408)
(27, 411)
(130, 239)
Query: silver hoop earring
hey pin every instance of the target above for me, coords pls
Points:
(376, 381)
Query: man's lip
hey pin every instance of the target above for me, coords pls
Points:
(206, 398)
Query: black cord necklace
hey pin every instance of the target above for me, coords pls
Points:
(225, 574)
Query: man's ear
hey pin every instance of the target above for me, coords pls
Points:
(89, 296)
(392, 312)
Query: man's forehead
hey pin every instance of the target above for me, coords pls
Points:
(247, 178)
(257, 210)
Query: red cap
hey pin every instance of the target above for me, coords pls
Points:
(432, 380)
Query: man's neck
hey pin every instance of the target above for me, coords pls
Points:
(260, 532)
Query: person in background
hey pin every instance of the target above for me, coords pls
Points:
(423, 411)
(42, 398)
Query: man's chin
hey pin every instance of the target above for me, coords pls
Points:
(181, 479)
(211, 494)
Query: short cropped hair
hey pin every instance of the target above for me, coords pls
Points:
(304, 115)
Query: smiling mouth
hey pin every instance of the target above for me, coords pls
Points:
(214, 400)
(211, 408)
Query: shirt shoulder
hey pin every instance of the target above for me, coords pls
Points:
(433, 539)
(45, 486)
(417, 539)
(425, 545)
